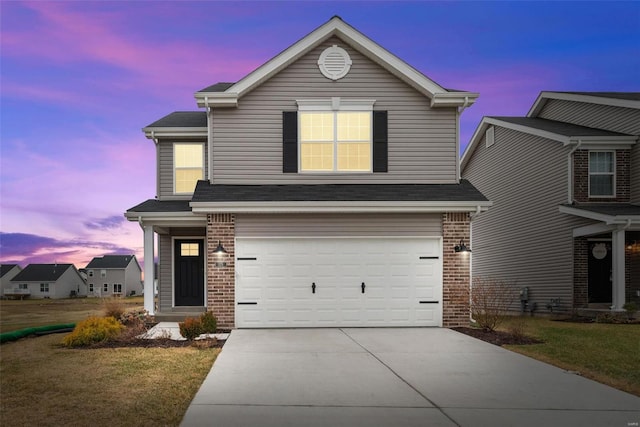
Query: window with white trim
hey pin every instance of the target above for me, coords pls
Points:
(602, 173)
(90, 287)
(105, 287)
(117, 288)
(103, 273)
(23, 286)
(188, 167)
(90, 273)
(44, 288)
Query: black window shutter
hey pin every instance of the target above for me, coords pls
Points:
(380, 141)
(289, 141)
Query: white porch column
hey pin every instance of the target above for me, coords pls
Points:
(149, 291)
(618, 274)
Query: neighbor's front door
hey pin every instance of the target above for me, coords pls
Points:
(600, 266)
(189, 272)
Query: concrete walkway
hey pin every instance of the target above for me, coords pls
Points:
(394, 377)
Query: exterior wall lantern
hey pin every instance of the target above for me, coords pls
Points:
(461, 247)
(220, 252)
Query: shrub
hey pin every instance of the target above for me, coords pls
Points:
(209, 322)
(630, 308)
(191, 328)
(113, 307)
(93, 330)
(490, 301)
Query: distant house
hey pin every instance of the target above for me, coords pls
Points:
(565, 187)
(48, 281)
(114, 275)
(7, 272)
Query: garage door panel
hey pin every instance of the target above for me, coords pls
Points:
(395, 278)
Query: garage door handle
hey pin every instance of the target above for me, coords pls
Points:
(313, 288)
(363, 286)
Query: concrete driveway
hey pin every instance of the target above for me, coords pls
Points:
(394, 377)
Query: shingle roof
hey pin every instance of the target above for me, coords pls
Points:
(560, 128)
(41, 272)
(182, 119)
(110, 261)
(218, 87)
(612, 209)
(631, 96)
(464, 191)
(5, 268)
(153, 205)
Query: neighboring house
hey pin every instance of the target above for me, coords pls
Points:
(565, 187)
(49, 281)
(114, 275)
(7, 272)
(322, 189)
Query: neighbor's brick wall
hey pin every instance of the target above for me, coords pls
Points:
(580, 272)
(456, 270)
(221, 280)
(581, 177)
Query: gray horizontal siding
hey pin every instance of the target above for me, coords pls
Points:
(338, 225)
(523, 238)
(248, 139)
(635, 174)
(165, 168)
(615, 119)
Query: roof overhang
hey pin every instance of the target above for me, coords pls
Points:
(544, 96)
(337, 27)
(340, 207)
(174, 132)
(167, 219)
(608, 219)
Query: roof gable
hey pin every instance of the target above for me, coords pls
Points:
(614, 99)
(111, 261)
(5, 268)
(439, 96)
(42, 272)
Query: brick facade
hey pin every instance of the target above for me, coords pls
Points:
(456, 270)
(221, 279)
(580, 272)
(581, 177)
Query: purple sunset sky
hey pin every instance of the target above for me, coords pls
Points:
(80, 79)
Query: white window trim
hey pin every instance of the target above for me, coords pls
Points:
(173, 171)
(614, 172)
(335, 104)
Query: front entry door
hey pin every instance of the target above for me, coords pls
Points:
(189, 272)
(600, 272)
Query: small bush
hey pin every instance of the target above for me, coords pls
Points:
(490, 301)
(518, 327)
(113, 307)
(191, 328)
(209, 322)
(93, 330)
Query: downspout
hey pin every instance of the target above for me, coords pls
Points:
(570, 172)
(155, 141)
(209, 141)
(459, 111)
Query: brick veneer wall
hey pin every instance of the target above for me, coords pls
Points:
(221, 280)
(580, 272)
(581, 177)
(456, 284)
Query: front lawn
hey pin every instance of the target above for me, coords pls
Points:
(608, 353)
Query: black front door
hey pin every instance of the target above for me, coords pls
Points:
(189, 272)
(600, 273)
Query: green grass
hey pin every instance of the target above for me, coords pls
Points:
(608, 353)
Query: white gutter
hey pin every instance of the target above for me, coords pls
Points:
(570, 172)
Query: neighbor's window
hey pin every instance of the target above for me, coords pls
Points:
(105, 287)
(188, 166)
(117, 288)
(91, 287)
(601, 173)
(335, 141)
(44, 288)
(103, 273)
(189, 249)
(23, 286)
(90, 273)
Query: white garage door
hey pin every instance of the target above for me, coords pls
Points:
(327, 282)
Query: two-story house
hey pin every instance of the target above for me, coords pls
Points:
(114, 275)
(322, 189)
(565, 187)
(48, 281)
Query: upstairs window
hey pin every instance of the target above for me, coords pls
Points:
(337, 141)
(601, 173)
(188, 162)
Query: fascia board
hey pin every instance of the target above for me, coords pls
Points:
(604, 142)
(337, 207)
(576, 97)
(217, 99)
(454, 99)
(607, 219)
(171, 132)
(530, 130)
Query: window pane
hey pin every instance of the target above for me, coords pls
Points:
(601, 185)
(600, 162)
(189, 249)
(316, 127)
(188, 155)
(316, 156)
(354, 126)
(354, 156)
(186, 179)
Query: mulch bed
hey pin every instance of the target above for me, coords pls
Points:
(498, 338)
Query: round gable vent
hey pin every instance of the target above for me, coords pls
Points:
(334, 62)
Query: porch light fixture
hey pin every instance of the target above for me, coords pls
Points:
(461, 247)
(219, 250)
